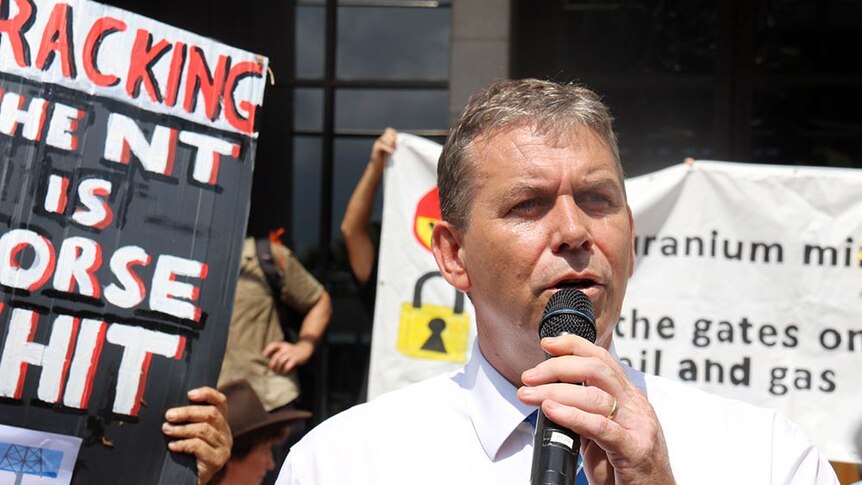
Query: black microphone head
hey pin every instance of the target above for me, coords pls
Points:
(569, 311)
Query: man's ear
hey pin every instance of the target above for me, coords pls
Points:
(446, 244)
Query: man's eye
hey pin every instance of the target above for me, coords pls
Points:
(526, 206)
(597, 201)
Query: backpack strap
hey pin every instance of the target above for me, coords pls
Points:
(268, 265)
(271, 270)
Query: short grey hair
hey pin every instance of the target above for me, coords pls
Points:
(550, 108)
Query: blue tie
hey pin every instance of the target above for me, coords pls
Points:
(581, 478)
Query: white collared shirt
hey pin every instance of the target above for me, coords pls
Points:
(469, 428)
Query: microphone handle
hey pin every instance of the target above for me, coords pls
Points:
(555, 453)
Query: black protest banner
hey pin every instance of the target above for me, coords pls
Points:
(126, 153)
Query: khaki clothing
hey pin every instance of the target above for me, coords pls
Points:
(255, 323)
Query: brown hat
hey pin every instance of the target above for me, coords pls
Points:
(246, 414)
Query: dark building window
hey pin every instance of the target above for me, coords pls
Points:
(360, 66)
(762, 81)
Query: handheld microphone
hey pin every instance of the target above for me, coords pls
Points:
(556, 448)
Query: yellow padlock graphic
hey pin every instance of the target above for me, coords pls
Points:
(433, 332)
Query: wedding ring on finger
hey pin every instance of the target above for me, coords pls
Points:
(615, 408)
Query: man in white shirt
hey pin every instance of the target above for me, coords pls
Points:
(533, 201)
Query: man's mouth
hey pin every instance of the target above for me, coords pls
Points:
(579, 284)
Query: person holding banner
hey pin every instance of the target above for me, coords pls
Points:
(533, 201)
(361, 250)
(201, 430)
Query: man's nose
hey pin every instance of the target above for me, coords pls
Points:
(568, 225)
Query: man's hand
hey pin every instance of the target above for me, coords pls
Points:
(383, 147)
(201, 430)
(627, 447)
(285, 356)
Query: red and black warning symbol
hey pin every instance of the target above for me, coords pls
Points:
(427, 216)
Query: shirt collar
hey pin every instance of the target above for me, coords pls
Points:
(491, 401)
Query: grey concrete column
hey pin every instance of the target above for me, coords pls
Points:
(480, 48)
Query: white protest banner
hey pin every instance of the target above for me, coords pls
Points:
(748, 283)
(422, 326)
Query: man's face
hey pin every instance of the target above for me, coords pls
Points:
(546, 214)
(253, 467)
